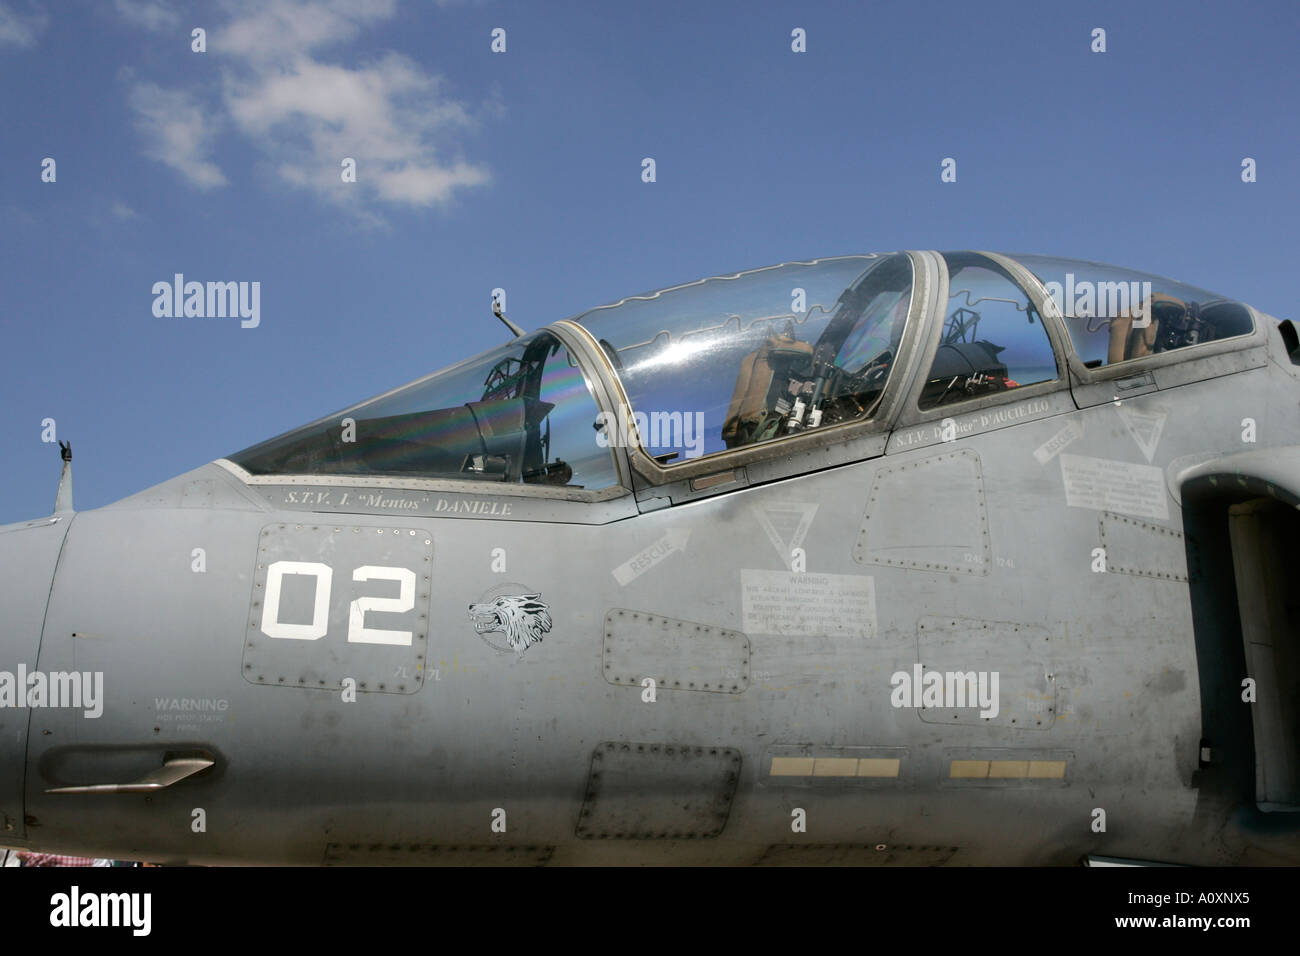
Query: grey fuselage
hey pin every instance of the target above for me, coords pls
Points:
(717, 675)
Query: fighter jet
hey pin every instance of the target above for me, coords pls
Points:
(907, 558)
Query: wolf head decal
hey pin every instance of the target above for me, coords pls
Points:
(523, 618)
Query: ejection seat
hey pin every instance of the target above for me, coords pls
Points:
(760, 401)
(1127, 342)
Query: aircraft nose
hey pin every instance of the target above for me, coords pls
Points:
(29, 554)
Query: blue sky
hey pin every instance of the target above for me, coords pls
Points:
(522, 170)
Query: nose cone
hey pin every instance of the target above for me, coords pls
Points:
(29, 553)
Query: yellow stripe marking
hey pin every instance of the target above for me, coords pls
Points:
(835, 767)
(792, 767)
(968, 769)
(1047, 769)
(1008, 769)
(878, 767)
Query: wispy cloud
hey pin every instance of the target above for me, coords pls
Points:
(21, 29)
(153, 15)
(305, 110)
(280, 30)
(176, 132)
(386, 115)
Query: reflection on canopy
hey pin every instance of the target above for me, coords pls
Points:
(1114, 314)
(521, 413)
(761, 354)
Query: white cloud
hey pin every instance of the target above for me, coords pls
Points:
(176, 132)
(306, 114)
(21, 29)
(423, 183)
(310, 115)
(122, 211)
(152, 15)
(279, 29)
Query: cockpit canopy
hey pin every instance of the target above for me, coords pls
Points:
(520, 413)
(1114, 315)
(741, 360)
(758, 355)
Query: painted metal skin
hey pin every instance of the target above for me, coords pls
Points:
(1121, 691)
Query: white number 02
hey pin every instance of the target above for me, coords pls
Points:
(358, 633)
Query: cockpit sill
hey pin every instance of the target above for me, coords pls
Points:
(435, 498)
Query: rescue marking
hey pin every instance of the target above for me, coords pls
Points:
(634, 567)
(1049, 449)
